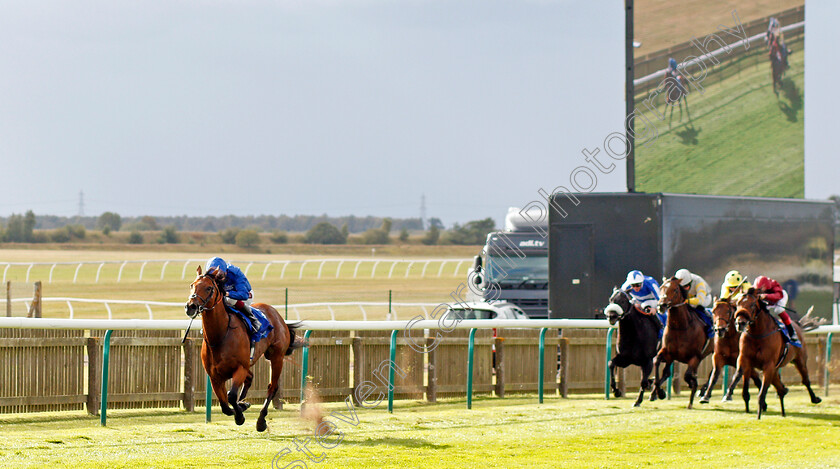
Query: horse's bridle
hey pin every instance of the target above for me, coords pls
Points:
(624, 312)
(216, 293)
(663, 306)
(752, 316)
(728, 321)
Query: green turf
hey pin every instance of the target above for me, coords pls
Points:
(741, 139)
(582, 431)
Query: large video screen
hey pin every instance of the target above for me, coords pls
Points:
(719, 97)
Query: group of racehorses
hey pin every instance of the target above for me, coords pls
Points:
(746, 337)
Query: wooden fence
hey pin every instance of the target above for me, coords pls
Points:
(53, 370)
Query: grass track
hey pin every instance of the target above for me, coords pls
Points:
(582, 431)
(742, 139)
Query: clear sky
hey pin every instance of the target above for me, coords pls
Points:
(326, 106)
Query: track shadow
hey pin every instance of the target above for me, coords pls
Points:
(689, 134)
(793, 95)
(406, 442)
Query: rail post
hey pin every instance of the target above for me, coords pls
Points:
(106, 355)
(607, 374)
(470, 368)
(725, 378)
(208, 400)
(304, 368)
(670, 380)
(540, 383)
(391, 371)
(286, 303)
(827, 360)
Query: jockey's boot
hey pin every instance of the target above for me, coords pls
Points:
(794, 340)
(255, 324)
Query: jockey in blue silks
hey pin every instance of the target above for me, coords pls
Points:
(645, 293)
(672, 67)
(237, 289)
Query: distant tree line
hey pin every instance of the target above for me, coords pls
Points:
(22, 229)
(266, 223)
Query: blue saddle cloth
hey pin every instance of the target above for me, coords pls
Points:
(706, 316)
(265, 324)
(785, 334)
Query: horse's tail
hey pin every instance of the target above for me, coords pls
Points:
(295, 342)
(809, 323)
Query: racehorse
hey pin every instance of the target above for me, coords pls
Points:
(684, 339)
(637, 339)
(676, 91)
(763, 347)
(726, 347)
(226, 346)
(777, 64)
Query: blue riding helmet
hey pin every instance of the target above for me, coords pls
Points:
(216, 263)
(672, 63)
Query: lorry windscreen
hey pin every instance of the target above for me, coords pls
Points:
(507, 270)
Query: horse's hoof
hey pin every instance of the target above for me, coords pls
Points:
(618, 393)
(704, 400)
(244, 405)
(261, 425)
(661, 393)
(816, 400)
(239, 419)
(638, 404)
(227, 411)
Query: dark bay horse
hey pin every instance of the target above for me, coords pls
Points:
(684, 339)
(726, 347)
(676, 92)
(638, 335)
(225, 351)
(763, 347)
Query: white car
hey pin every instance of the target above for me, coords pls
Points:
(485, 310)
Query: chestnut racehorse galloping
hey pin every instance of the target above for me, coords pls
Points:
(726, 347)
(225, 351)
(763, 347)
(684, 339)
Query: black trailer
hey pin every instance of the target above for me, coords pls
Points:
(605, 235)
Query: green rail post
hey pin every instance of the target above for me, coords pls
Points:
(607, 374)
(725, 378)
(286, 303)
(391, 371)
(304, 368)
(670, 380)
(541, 385)
(106, 355)
(827, 359)
(470, 369)
(208, 401)
(389, 304)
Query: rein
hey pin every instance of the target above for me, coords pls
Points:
(217, 294)
(729, 321)
(667, 307)
(760, 336)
